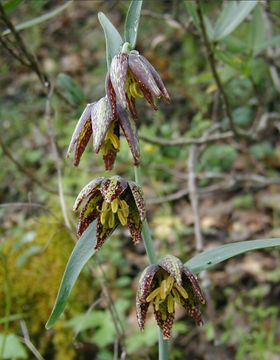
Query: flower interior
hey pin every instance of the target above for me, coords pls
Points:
(132, 87)
(164, 296)
(111, 141)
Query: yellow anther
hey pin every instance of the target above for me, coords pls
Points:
(122, 218)
(163, 289)
(152, 295)
(182, 291)
(170, 304)
(124, 207)
(105, 206)
(115, 205)
(111, 221)
(169, 283)
(114, 139)
(176, 296)
(103, 217)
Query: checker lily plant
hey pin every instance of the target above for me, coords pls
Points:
(109, 202)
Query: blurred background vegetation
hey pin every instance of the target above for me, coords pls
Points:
(237, 179)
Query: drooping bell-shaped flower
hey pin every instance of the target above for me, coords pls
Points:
(103, 124)
(165, 284)
(111, 201)
(131, 75)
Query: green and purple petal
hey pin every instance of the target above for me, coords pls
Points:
(130, 135)
(143, 75)
(138, 198)
(113, 188)
(101, 119)
(157, 79)
(118, 73)
(173, 266)
(164, 325)
(103, 232)
(190, 282)
(81, 135)
(90, 212)
(87, 191)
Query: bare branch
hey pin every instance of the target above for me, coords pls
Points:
(187, 142)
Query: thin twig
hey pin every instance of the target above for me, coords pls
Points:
(199, 242)
(23, 169)
(26, 340)
(212, 62)
(186, 142)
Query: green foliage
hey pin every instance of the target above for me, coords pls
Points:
(231, 17)
(243, 201)
(13, 348)
(213, 257)
(261, 151)
(112, 37)
(82, 252)
(218, 158)
(35, 21)
(71, 89)
(132, 22)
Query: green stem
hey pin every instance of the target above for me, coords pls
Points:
(162, 347)
(150, 250)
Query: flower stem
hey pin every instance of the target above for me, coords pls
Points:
(162, 347)
(150, 250)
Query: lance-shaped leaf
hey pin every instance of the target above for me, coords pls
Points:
(233, 14)
(112, 37)
(132, 22)
(215, 256)
(83, 251)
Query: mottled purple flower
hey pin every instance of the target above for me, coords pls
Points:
(164, 284)
(131, 75)
(111, 201)
(100, 121)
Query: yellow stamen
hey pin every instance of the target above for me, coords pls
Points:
(103, 217)
(115, 205)
(170, 304)
(111, 221)
(169, 283)
(122, 217)
(152, 295)
(124, 207)
(163, 289)
(176, 296)
(182, 291)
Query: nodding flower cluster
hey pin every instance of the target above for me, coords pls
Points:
(130, 76)
(115, 201)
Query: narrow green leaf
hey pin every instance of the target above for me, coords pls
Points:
(83, 251)
(10, 5)
(274, 41)
(257, 31)
(213, 257)
(71, 89)
(132, 22)
(232, 16)
(112, 37)
(39, 19)
(191, 10)
(13, 348)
